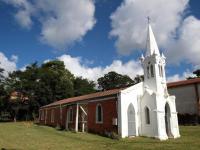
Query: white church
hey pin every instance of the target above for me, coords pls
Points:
(144, 109)
(151, 110)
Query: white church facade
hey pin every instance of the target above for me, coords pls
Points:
(144, 109)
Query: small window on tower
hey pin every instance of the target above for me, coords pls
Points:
(152, 71)
(148, 71)
(161, 69)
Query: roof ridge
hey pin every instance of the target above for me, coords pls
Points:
(183, 82)
(85, 97)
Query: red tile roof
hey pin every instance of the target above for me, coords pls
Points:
(84, 97)
(183, 82)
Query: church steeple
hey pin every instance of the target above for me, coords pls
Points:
(153, 64)
(152, 47)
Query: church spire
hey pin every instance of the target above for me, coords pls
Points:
(152, 47)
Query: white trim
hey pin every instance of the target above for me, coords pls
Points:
(83, 110)
(77, 112)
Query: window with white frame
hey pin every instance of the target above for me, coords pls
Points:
(99, 114)
(52, 115)
(147, 115)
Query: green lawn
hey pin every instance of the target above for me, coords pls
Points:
(27, 136)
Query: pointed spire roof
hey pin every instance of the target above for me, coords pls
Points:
(152, 47)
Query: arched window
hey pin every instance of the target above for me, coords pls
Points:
(152, 71)
(70, 114)
(148, 72)
(147, 115)
(52, 115)
(161, 68)
(99, 114)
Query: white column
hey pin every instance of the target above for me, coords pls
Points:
(77, 111)
(83, 127)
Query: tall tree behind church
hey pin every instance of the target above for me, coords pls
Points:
(113, 80)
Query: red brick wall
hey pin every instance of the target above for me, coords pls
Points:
(109, 112)
(71, 125)
(58, 120)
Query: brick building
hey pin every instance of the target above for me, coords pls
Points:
(95, 112)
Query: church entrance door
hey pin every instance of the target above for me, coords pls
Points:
(167, 120)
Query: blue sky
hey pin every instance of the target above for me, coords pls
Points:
(28, 34)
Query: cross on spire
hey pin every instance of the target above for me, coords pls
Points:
(152, 47)
(148, 19)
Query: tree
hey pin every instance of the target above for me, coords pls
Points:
(58, 79)
(1, 90)
(197, 73)
(39, 85)
(3, 93)
(83, 86)
(113, 80)
(138, 79)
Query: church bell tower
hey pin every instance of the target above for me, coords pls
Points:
(158, 108)
(154, 65)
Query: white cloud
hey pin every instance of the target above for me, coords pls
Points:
(7, 64)
(129, 22)
(14, 58)
(23, 19)
(23, 15)
(177, 35)
(187, 46)
(62, 23)
(178, 77)
(79, 68)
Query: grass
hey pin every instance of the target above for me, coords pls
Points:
(28, 136)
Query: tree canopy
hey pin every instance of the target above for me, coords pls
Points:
(83, 86)
(113, 80)
(24, 91)
(40, 85)
(197, 73)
